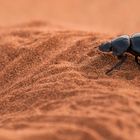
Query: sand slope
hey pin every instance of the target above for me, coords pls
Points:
(53, 86)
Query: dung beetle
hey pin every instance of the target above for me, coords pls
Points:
(120, 45)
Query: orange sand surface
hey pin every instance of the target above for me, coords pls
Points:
(52, 76)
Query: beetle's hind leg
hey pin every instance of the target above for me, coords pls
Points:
(137, 60)
(122, 59)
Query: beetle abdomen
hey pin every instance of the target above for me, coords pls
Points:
(135, 42)
(120, 45)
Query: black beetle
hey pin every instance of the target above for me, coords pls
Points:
(120, 45)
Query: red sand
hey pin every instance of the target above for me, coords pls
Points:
(53, 86)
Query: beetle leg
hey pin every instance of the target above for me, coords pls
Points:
(122, 60)
(136, 60)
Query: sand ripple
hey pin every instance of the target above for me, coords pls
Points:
(53, 87)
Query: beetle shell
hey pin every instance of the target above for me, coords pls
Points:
(135, 42)
(120, 45)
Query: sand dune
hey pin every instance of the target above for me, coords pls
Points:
(53, 86)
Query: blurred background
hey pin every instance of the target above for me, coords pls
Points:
(96, 15)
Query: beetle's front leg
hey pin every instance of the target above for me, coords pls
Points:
(122, 59)
(137, 60)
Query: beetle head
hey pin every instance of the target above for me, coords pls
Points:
(118, 45)
(105, 47)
